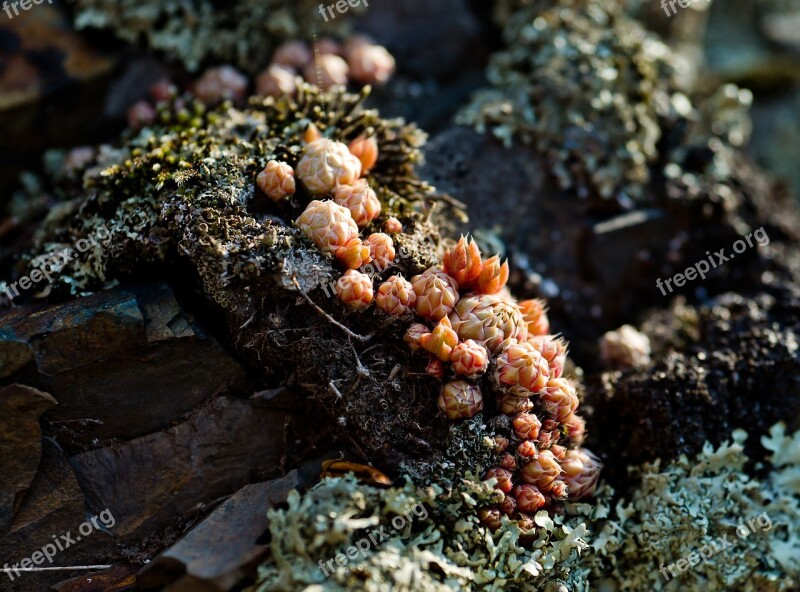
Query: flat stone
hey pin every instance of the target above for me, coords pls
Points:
(149, 482)
(20, 444)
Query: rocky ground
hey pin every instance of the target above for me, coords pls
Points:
(151, 401)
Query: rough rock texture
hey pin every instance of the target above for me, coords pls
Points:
(121, 364)
(598, 269)
(54, 505)
(225, 547)
(20, 444)
(733, 363)
(150, 481)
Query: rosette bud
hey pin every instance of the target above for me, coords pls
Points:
(441, 341)
(559, 399)
(353, 254)
(558, 489)
(396, 296)
(508, 505)
(558, 452)
(508, 462)
(529, 498)
(435, 368)
(511, 405)
(504, 478)
(276, 181)
(526, 426)
(625, 348)
(527, 449)
(392, 225)
(360, 199)
(326, 164)
(553, 349)
(521, 370)
(366, 150)
(581, 473)
(381, 248)
(576, 429)
(489, 320)
(463, 263)
(413, 335)
(460, 399)
(535, 312)
(469, 358)
(541, 471)
(330, 226)
(493, 276)
(490, 518)
(500, 444)
(354, 289)
(437, 293)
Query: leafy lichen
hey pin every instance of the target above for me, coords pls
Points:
(746, 527)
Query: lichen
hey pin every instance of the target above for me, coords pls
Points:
(729, 530)
(597, 96)
(242, 32)
(440, 546)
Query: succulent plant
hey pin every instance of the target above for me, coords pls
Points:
(469, 358)
(488, 320)
(463, 262)
(276, 180)
(441, 341)
(360, 199)
(437, 293)
(581, 473)
(460, 400)
(326, 164)
(366, 150)
(354, 289)
(396, 297)
(521, 370)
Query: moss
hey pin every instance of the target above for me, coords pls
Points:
(598, 97)
(241, 32)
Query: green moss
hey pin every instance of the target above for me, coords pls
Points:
(182, 193)
(240, 32)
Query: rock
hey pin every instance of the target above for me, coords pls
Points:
(53, 507)
(598, 267)
(226, 546)
(734, 363)
(121, 363)
(20, 445)
(51, 88)
(115, 579)
(149, 482)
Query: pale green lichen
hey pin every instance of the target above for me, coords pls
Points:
(596, 95)
(441, 544)
(240, 32)
(679, 510)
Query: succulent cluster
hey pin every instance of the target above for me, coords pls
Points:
(479, 340)
(325, 64)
